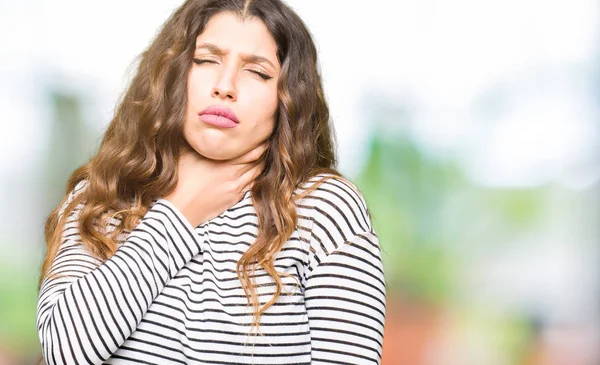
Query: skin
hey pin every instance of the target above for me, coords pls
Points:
(219, 164)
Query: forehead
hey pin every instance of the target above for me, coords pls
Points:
(250, 35)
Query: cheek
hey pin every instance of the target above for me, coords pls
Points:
(269, 111)
(260, 105)
(194, 89)
(199, 83)
(269, 104)
(274, 103)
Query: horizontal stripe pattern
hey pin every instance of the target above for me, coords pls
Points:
(171, 295)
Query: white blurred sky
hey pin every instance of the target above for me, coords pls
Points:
(438, 58)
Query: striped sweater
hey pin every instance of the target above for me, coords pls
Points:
(170, 294)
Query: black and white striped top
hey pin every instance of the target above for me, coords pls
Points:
(170, 293)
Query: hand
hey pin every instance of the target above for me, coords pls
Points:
(206, 188)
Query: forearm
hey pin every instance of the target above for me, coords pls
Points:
(86, 310)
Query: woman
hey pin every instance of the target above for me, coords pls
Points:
(212, 213)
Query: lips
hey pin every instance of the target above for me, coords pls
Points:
(220, 111)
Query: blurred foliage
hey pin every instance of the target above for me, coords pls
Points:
(404, 190)
(71, 144)
(427, 213)
(18, 290)
(430, 218)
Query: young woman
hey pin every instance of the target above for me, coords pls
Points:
(212, 211)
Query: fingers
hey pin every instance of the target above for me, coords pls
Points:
(247, 178)
(249, 168)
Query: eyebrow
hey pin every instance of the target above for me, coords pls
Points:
(247, 57)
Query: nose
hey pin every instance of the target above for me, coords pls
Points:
(224, 87)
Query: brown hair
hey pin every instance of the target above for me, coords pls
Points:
(137, 159)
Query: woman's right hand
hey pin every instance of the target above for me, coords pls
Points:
(206, 188)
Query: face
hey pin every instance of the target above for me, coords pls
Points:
(236, 68)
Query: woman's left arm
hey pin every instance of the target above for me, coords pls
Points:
(346, 301)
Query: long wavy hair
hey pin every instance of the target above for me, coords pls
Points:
(137, 159)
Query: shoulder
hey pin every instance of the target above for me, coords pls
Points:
(72, 194)
(70, 228)
(341, 227)
(77, 190)
(336, 207)
(104, 223)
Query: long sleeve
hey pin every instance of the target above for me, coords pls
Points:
(345, 301)
(87, 308)
(344, 284)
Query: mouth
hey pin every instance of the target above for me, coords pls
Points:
(218, 121)
(221, 112)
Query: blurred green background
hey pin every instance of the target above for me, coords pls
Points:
(472, 129)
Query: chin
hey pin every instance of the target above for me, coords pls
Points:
(216, 154)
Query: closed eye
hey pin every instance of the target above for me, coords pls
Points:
(200, 61)
(261, 75)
